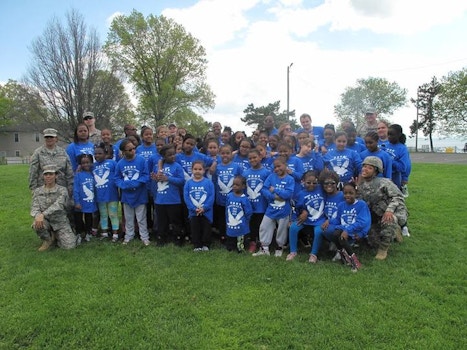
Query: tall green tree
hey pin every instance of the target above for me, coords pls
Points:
(377, 93)
(427, 117)
(451, 105)
(166, 64)
(254, 116)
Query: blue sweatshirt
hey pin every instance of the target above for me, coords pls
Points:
(255, 188)
(401, 163)
(385, 158)
(345, 163)
(331, 202)
(238, 212)
(354, 218)
(131, 176)
(169, 192)
(312, 161)
(243, 162)
(223, 180)
(186, 162)
(104, 181)
(313, 203)
(76, 149)
(199, 194)
(146, 151)
(83, 192)
(279, 208)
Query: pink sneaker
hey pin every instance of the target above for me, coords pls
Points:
(291, 256)
(313, 259)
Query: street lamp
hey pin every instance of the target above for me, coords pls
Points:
(288, 90)
(416, 125)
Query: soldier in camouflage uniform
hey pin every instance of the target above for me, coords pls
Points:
(49, 154)
(48, 209)
(386, 203)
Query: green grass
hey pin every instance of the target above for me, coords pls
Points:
(107, 296)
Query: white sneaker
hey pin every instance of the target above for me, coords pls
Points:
(205, 248)
(405, 191)
(88, 237)
(405, 231)
(199, 249)
(261, 252)
(278, 253)
(337, 257)
(114, 238)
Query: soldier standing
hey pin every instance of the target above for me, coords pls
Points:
(387, 206)
(48, 209)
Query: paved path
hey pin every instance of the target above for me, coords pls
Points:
(442, 158)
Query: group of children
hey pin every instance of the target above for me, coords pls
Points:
(271, 189)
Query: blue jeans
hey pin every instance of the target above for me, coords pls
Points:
(295, 228)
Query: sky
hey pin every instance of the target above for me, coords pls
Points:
(327, 45)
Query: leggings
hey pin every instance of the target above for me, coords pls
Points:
(108, 210)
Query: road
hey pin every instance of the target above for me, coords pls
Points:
(441, 158)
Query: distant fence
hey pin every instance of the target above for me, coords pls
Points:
(426, 148)
(14, 160)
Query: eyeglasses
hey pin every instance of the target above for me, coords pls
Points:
(88, 117)
(130, 149)
(329, 183)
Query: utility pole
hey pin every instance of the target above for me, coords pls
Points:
(416, 130)
(288, 90)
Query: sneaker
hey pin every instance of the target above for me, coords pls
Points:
(199, 249)
(261, 252)
(278, 253)
(78, 239)
(405, 231)
(405, 191)
(125, 242)
(252, 247)
(87, 238)
(337, 257)
(146, 242)
(313, 259)
(356, 265)
(114, 238)
(291, 256)
(345, 257)
(205, 248)
(104, 235)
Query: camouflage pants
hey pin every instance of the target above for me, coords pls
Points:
(381, 235)
(65, 236)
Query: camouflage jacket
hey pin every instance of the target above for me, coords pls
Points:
(50, 201)
(41, 157)
(382, 195)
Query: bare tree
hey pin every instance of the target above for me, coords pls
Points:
(67, 70)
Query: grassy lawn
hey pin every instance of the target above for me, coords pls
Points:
(108, 296)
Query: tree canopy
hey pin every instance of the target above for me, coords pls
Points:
(255, 115)
(375, 93)
(166, 64)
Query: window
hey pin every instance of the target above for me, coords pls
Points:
(16, 137)
(37, 137)
(17, 154)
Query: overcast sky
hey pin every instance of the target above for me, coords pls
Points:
(250, 43)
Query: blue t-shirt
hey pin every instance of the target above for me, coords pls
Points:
(199, 194)
(238, 212)
(223, 180)
(132, 176)
(169, 192)
(255, 179)
(83, 192)
(104, 181)
(279, 208)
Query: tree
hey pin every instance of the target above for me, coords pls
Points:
(451, 105)
(255, 115)
(166, 64)
(425, 101)
(23, 105)
(66, 70)
(378, 93)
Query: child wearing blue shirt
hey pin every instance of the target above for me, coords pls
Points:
(80, 145)
(345, 162)
(241, 157)
(238, 212)
(294, 165)
(131, 177)
(280, 189)
(352, 223)
(83, 196)
(198, 193)
(106, 192)
(189, 155)
(311, 160)
(169, 181)
(310, 206)
(255, 178)
(223, 176)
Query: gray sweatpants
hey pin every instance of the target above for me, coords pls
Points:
(266, 231)
(140, 213)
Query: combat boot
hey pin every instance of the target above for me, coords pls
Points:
(399, 237)
(46, 243)
(381, 254)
